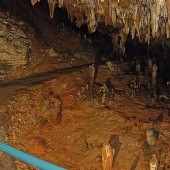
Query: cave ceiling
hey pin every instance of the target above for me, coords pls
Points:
(144, 19)
(149, 17)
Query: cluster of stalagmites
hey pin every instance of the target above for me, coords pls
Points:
(141, 18)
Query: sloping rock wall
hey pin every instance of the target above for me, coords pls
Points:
(15, 47)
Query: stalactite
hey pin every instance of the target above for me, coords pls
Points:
(60, 3)
(133, 32)
(154, 20)
(91, 20)
(33, 2)
(100, 9)
(167, 30)
(123, 38)
(112, 11)
(144, 19)
(115, 42)
(168, 10)
(51, 4)
(79, 17)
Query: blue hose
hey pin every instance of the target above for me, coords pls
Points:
(43, 165)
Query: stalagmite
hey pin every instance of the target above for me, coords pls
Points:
(150, 134)
(110, 66)
(104, 89)
(91, 77)
(51, 4)
(154, 162)
(107, 157)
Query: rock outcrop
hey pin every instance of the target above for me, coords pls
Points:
(15, 46)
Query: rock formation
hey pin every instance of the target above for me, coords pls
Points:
(144, 19)
(15, 46)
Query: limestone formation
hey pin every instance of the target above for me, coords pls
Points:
(154, 162)
(144, 19)
(51, 7)
(15, 46)
(107, 157)
(91, 77)
(150, 134)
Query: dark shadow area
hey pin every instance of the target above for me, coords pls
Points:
(159, 118)
(135, 163)
(3, 6)
(115, 144)
(165, 107)
(44, 76)
(134, 48)
(157, 107)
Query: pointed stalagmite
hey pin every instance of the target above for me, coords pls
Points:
(107, 157)
(150, 134)
(91, 77)
(51, 4)
(154, 162)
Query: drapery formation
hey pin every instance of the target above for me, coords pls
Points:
(140, 18)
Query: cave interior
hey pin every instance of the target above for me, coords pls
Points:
(75, 79)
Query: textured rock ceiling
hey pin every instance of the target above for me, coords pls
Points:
(144, 19)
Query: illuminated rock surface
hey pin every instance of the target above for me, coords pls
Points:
(143, 19)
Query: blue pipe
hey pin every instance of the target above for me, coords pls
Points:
(43, 165)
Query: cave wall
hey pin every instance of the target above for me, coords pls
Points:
(15, 47)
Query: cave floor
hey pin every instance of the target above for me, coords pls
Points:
(76, 143)
(86, 125)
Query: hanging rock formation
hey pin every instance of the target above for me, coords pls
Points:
(144, 19)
